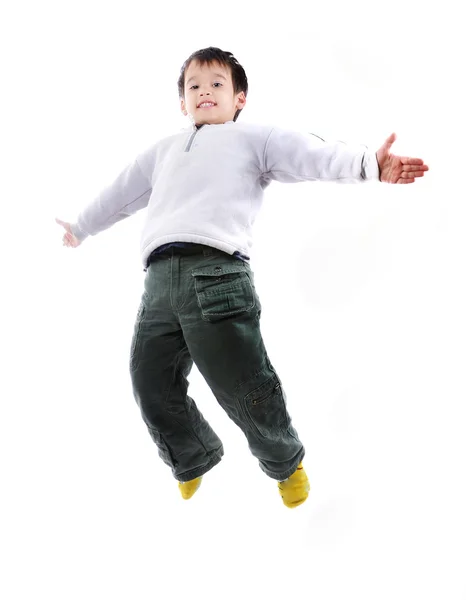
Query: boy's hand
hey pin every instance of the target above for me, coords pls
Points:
(398, 169)
(69, 239)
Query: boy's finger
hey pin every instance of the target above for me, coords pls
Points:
(62, 223)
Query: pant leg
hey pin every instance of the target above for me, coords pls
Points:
(219, 311)
(160, 363)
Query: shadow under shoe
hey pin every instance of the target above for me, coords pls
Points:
(189, 488)
(295, 490)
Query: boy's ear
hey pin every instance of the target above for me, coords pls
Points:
(183, 108)
(241, 100)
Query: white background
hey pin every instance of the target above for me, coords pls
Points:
(363, 310)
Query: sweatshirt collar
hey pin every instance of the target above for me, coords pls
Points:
(195, 127)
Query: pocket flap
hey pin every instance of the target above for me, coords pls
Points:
(217, 271)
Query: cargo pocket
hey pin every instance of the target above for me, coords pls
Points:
(135, 342)
(266, 408)
(223, 291)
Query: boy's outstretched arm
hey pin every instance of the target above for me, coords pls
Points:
(291, 156)
(129, 193)
(398, 169)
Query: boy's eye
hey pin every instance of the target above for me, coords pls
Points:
(195, 86)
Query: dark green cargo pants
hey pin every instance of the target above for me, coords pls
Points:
(200, 304)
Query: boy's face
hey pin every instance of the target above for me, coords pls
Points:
(210, 83)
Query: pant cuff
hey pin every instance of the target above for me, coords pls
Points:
(199, 471)
(285, 474)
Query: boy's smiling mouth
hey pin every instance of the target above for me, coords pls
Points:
(206, 104)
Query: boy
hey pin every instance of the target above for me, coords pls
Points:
(203, 188)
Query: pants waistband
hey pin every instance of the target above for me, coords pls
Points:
(188, 250)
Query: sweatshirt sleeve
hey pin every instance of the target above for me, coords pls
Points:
(292, 156)
(129, 193)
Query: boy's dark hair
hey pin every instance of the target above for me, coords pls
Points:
(209, 56)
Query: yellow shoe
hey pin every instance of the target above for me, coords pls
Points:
(189, 488)
(295, 490)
